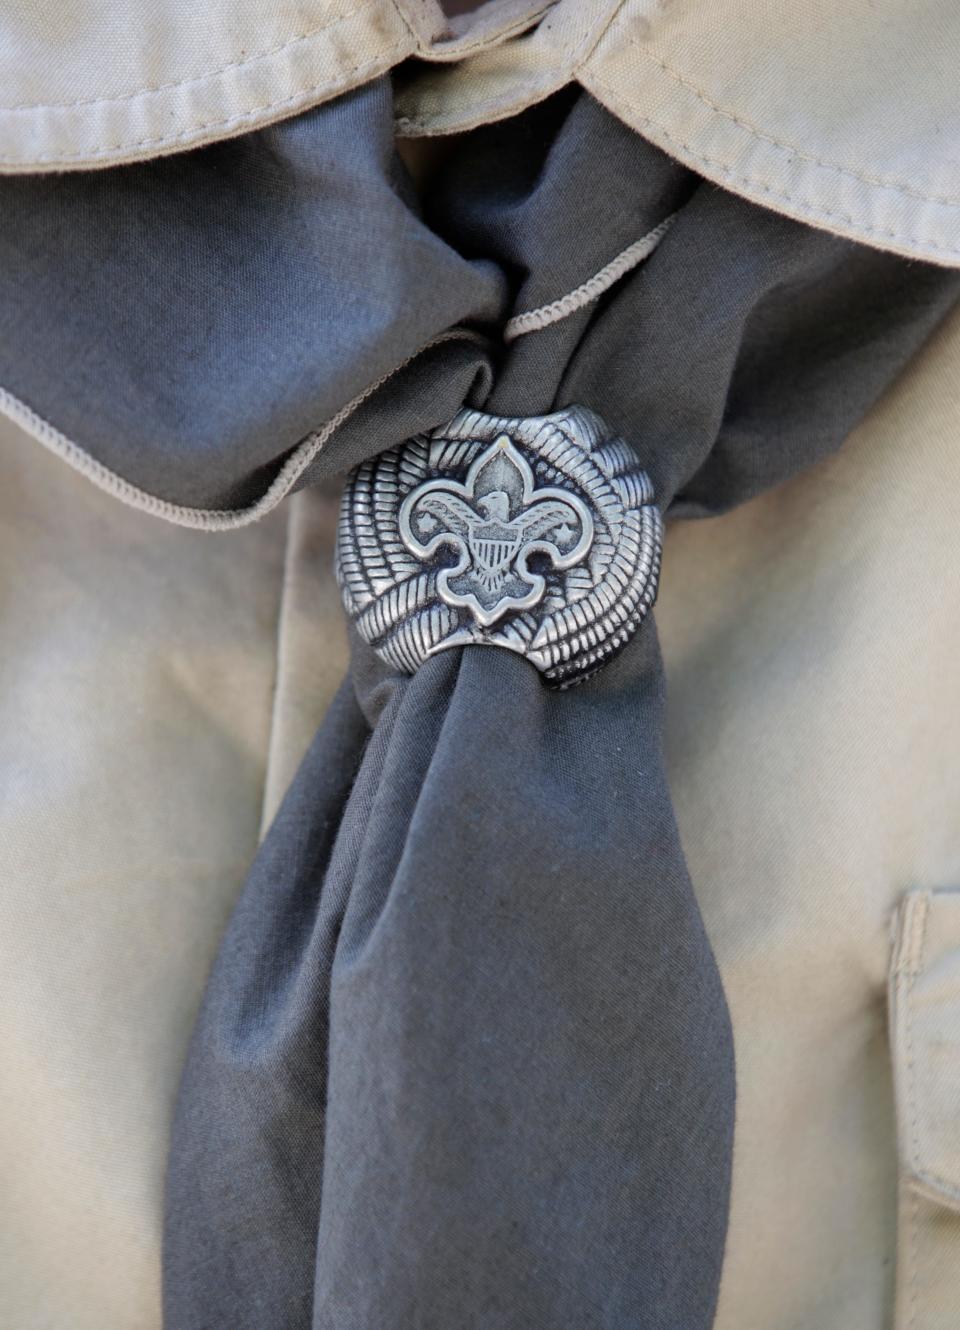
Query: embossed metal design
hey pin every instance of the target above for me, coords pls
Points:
(537, 534)
(495, 522)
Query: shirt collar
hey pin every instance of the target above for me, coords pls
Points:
(842, 116)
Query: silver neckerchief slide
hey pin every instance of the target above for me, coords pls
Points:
(539, 535)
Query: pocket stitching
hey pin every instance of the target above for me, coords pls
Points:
(915, 948)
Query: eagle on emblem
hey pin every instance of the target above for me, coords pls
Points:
(538, 535)
(494, 523)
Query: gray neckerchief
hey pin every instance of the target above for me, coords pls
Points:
(464, 1059)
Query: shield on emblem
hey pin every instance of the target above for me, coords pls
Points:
(494, 546)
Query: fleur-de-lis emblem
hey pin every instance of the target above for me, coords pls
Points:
(496, 522)
(537, 535)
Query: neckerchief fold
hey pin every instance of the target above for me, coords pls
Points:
(464, 1058)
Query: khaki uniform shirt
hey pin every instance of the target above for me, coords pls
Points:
(158, 686)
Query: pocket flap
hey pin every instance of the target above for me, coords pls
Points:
(925, 1031)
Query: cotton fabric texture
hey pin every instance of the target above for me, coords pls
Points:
(810, 748)
(260, 308)
(344, 1073)
(731, 401)
(780, 653)
(791, 109)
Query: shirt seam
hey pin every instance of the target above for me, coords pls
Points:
(453, 49)
(884, 182)
(726, 172)
(101, 150)
(532, 90)
(207, 77)
(483, 113)
(919, 927)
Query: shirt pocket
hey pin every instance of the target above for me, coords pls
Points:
(925, 1037)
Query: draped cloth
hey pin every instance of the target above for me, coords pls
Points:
(464, 1058)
